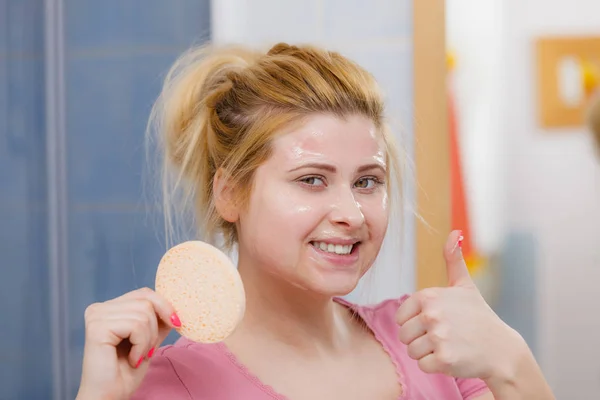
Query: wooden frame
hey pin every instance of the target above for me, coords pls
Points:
(431, 141)
(552, 111)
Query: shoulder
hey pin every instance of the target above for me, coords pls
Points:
(386, 307)
(382, 307)
(174, 371)
(380, 315)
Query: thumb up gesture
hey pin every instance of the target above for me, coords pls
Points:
(452, 330)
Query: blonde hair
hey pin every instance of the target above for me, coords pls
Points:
(220, 107)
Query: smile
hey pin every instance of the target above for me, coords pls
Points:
(341, 249)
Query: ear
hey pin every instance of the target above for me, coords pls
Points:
(224, 197)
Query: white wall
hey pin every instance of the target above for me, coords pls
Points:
(555, 192)
(551, 192)
(379, 38)
(474, 34)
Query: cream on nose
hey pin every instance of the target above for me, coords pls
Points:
(345, 209)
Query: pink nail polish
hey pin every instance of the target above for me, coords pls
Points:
(139, 362)
(151, 353)
(460, 239)
(175, 320)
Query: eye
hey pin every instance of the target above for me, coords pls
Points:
(312, 181)
(368, 182)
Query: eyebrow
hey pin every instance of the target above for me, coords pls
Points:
(332, 169)
(370, 167)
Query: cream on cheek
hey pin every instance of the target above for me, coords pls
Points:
(377, 206)
(377, 218)
(278, 221)
(285, 214)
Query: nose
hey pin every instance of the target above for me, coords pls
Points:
(346, 211)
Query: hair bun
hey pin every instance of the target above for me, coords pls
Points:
(282, 48)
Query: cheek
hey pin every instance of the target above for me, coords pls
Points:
(275, 228)
(376, 214)
(279, 218)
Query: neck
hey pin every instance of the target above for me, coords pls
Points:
(277, 310)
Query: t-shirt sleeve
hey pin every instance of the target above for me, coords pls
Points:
(471, 388)
(161, 382)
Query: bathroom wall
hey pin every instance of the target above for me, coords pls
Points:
(25, 363)
(115, 55)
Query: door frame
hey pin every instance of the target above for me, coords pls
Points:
(431, 142)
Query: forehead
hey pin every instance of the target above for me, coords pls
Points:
(328, 137)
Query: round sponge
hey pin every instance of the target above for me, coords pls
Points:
(205, 288)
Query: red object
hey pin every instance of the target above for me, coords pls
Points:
(460, 215)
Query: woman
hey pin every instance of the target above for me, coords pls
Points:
(286, 156)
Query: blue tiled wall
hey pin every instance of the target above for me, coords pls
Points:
(25, 363)
(116, 55)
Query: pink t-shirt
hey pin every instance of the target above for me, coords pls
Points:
(189, 370)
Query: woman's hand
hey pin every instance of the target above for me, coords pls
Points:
(453, 331)
(120, 334)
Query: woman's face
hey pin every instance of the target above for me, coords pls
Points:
(318, 211)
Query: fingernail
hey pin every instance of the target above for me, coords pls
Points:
(139, 362)
(151, 352)
(460, 239)
(175, 320)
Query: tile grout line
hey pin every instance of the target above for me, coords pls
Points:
(57, 195)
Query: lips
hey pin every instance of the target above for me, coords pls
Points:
(342, 257)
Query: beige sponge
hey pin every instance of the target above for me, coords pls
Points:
(205, 288)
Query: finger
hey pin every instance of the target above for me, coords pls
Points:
(141, 343)
(429, 364)
(163, 332)
(148, 309)
(420, 347)
(412, 329)
(458, 273)
(112, 325)
(162, 307)
(128, 333)
(138, 309)
(160, 330)
(410, 308)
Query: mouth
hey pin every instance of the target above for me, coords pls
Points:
(339, 249)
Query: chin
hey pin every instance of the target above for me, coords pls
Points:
(332, 287)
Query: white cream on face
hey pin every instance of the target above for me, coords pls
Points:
(322, 182)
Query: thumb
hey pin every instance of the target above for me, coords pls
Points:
(458, 274)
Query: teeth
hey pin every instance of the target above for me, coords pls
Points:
(334, 248)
